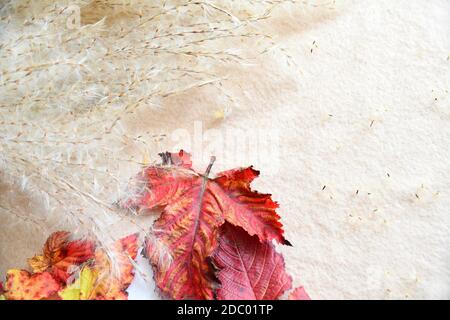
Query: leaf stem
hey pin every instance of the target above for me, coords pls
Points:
(208, 170)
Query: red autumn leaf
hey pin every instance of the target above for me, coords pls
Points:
(126, 252)
(254, 212)
(21, 285)
(299, 294)
(248, 269)
(194, 209)
(104, 279)
(59, 254)
(114, 280)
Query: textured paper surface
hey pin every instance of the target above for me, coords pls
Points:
(361, 171)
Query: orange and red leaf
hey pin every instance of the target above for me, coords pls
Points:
(188, 229)
(59, 254)
(254, 212)
(114, 279)
(194, 208)
(22, 285)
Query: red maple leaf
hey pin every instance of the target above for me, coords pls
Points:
(59, 254)
(248, 269)
(194, 208)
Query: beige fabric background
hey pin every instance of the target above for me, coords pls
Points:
(358, 148)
